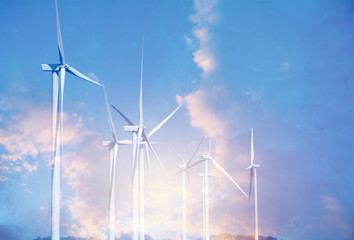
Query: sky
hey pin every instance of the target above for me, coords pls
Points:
(283, 68)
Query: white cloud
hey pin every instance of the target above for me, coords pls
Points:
(28, 135)
(30, 167)
(93, 77)
(205, 11)
(202, 34)
(3, 179)
(188, 39)
(285, 65)
(204, 59)
(179, 99)
(254, 95)
(204, 17)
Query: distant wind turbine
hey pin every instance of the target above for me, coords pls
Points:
(183, 165)
(253, 175)
(57, 123)
(113, 151)
(139, 140)
(206, 174)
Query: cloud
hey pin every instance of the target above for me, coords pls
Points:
(28, 135)
(205, 11)
(179, 99)
(202, 34)
(26, 138)
(254, 95)
(201, 106)
(204, 59)
(94, 77)
(285, 65)
(3, 179)
(91, 219)
(30, 167)
(335, 220)
(204, 17)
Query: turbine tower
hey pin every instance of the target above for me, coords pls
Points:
(253, 175)
(206, 174)
(141, 144)
(113, 151)
(183, 165)
(58, 79)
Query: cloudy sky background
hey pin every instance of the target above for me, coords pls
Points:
(284, 68)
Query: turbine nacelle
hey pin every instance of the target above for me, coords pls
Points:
(207, 156)
(54, 67)
(112, 143)
(253, 166)
(73, 71)
(133, 128)
(210, 175)
(182, 165)
(108, 143)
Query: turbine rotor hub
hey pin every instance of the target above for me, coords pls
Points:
(64, 66)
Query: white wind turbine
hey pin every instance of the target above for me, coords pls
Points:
(206, 175)
(183, 165)
(113, 150)
(57, 123)
(139, 140)
(253, 175)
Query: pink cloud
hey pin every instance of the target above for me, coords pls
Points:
(204, 17)
(204, 58)
(201, 106)
(29, 134)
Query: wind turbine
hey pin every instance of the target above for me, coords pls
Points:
(139, 140)
(253, 175)
(183, 165)
(113, 151)
(206, 174)
(57, 123)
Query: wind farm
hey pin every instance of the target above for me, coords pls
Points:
(84, 159)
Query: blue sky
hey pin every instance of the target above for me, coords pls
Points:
(281, 67)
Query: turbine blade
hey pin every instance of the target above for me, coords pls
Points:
(163, 122)
(195, 151)
(227, 175)
(123, 116)
(251, 181)
(125, 142)
(194, 164)
(50, 67)
(217, 105)
(82, 76)
(141, 86)
(252, 149)
(153, 150)
(148, 162)
(179, 157)
(60, 43)
(111, 125)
